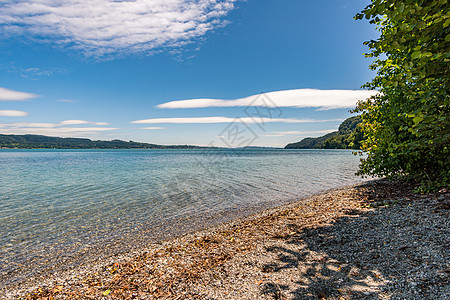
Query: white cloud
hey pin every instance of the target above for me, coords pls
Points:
(31, 73)
(27, 125)
(272, 135)
(10, 95)
(61, 132)
(52, 125)
(54, 129)
(66, 100)
(98, 27)
(37, 73)
(13, 113)
(74, 122)
(153, 128)
(81, 122)
(301, 133)
(211, 120)
(305, 132)
(323, 99)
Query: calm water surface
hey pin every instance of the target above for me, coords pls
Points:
(62, 207)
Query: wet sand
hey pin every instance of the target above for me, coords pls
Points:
(376, 240)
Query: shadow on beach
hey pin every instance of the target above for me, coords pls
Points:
(398, 250)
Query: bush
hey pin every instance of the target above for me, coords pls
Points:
(407, 124)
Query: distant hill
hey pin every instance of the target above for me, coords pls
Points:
(348, 136)
(30, 141)
(259, 148)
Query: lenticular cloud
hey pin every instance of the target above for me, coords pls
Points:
(99, 27)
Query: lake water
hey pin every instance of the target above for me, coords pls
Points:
(60, 208)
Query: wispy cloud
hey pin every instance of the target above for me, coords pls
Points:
(99, 27)
(299, 133)
(61, 132)
(81, 122)
(38, 73)
(13, 113)
(211, 120)
(10, 95)
(323, 99)
(153, 128)
(62, 129)
(66, 100)
(32, 73)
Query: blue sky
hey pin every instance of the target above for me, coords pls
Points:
(106, 69)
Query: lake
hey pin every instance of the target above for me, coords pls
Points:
(63, 208)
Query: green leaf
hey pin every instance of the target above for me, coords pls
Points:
(447, 38)
(416, 54)
(106, 293)
(417, 120)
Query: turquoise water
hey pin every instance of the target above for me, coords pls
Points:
(62, 207)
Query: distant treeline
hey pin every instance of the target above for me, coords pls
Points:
(349, 136)
(29, 141)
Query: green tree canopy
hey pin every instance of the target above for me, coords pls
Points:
(407, 123)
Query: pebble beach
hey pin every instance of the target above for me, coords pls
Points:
(375, 240)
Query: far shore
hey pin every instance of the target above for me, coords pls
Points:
(375, 240)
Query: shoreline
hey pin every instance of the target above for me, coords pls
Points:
(286, 252)
(80, 263)
(73, 262)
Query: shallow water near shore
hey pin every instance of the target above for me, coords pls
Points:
(60, 208)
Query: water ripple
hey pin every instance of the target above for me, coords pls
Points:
(56, 205)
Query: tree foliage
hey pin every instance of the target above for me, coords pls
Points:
(407, 123)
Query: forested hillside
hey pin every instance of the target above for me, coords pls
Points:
(29, 141)
(348, 136)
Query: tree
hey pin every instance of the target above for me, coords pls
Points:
(407, 123)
